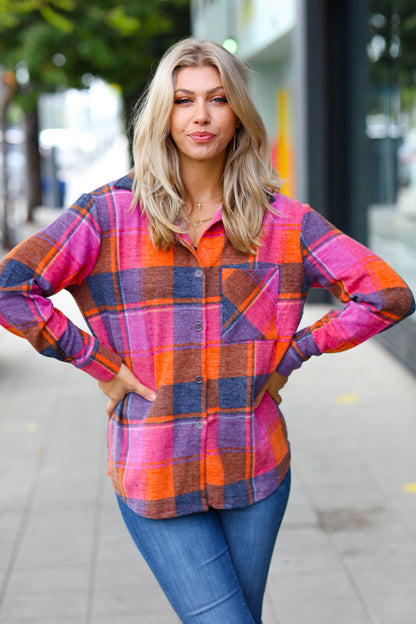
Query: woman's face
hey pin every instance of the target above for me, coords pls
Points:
(202, 122)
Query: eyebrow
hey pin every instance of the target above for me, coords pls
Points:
(188, 92)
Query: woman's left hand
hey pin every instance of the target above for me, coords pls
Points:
(120, 385)
(273, 386)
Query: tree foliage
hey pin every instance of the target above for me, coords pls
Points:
(57, 44)
(60, 41)
(392, 42)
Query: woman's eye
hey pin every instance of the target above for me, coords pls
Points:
(182, 101)
(220, 100)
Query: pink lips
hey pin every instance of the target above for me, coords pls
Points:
(202, 137)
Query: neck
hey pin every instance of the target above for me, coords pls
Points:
(202, 180)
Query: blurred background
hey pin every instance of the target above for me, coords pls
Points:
(335, 83)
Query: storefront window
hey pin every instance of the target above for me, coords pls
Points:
(391, 129)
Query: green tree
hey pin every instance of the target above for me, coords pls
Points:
(54, 43)
(392, 42)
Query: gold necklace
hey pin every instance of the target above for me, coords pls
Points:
(199, 204)
(199, 221)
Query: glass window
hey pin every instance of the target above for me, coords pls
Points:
(391, 130)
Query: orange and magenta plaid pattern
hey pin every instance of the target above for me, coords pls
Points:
(204, 328)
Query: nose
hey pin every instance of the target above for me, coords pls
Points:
(201, 116)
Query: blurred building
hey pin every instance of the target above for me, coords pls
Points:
(76, 127)
(343, 131)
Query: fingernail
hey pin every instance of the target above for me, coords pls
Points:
(152, 397)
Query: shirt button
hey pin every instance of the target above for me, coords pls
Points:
(198, 327)
(199, 379)
(199, 424)
(198, 273)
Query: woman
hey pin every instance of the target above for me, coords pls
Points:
(192, 274)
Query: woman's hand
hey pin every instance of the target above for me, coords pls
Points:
(273, 386)
(123, 383)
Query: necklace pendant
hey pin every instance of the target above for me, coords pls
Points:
(199, 205)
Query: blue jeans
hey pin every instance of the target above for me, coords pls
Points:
(213, 566)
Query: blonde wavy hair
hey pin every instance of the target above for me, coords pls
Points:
(248, 176)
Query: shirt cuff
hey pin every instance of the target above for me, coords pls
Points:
(302, 347)
(103, 365)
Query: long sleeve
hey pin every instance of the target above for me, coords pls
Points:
(61, 256)
(374, 297)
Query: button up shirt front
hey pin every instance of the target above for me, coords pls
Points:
(204, 328)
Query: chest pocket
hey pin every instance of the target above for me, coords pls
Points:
(249, 304)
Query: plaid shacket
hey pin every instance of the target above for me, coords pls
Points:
(203, 328)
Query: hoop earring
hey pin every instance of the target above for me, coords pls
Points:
(235, 141)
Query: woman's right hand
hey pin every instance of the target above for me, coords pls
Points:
(120, 385)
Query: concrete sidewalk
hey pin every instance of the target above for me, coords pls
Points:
(346, 553)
